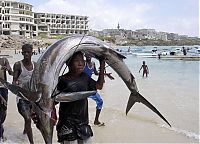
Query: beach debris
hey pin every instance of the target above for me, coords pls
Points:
(45, 78)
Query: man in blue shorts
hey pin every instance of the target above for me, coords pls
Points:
(89, 69)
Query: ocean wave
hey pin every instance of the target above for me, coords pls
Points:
(181, 131)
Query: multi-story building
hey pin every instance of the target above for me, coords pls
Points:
(49, 24)
(173, 36)
(16, 18)
(148, 33)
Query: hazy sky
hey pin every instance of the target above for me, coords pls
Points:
(177, 16)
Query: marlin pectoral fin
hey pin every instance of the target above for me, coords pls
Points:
(23, 93)
(136, 97)
(73, 96)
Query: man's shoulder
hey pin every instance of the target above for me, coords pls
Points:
(17, 63)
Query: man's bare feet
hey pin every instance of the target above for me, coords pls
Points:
(99, 124)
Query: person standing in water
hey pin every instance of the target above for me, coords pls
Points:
(145, 69)
(22, 74)
(4, 66)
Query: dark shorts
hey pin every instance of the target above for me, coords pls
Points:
(24, 108)
(3, 107)
(70, 130)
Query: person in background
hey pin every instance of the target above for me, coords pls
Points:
(90, 69)
(4, 67)
(39, 50)
(22, 73)
(184, 51)
(145, 69)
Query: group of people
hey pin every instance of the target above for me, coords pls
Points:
(73, 115)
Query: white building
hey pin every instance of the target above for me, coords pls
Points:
(16, 18)
(50, 24)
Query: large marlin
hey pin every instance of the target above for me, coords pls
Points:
(41, 88)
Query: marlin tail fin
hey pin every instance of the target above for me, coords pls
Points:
(136, 97)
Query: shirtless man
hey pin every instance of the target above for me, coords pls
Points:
(22, 73)
(145, 69)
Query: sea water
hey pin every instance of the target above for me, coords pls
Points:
(172, 86)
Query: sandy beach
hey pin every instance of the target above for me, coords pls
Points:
(141, 125)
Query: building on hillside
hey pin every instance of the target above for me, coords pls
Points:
(54, 24)
(111, 32)
(138, 35)
(148, 33)
(162, 36)
(16, 18)
(95, 33)
(173, 36)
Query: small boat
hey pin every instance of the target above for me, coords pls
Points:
(124, 52)
(194, 50)
(149, 55)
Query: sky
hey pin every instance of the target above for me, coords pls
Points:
(173, 16)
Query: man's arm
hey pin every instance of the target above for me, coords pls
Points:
(140, 68)
(105, 73)
(95, 70)
(7, 67)
(16, 72)
(100, 80)
(109, 75)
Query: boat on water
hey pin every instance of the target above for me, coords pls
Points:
(148, 55)
(124, 52)
(194, 50)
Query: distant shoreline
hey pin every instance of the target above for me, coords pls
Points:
(14, 42)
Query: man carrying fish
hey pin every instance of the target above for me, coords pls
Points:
(22, 73)
(73, 124)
